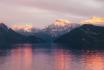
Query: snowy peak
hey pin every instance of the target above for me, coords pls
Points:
(57, 30)
(25, 27)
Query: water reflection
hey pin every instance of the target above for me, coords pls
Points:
(19, 58)
(94, 60)
(62, 59)
(25, 57)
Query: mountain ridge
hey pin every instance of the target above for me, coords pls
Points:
(85, 36)
(51, 32)
(8, 36)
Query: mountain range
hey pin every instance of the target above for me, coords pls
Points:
(73, 35)
(85, 36)
(7, 36)
(50, 32)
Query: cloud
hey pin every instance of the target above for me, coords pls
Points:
(25, 27)
(78, 7)
(43, 12)
(93, 20)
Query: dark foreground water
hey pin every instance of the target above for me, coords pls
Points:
(48, 57)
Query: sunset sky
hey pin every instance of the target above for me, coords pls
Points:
(40, 13)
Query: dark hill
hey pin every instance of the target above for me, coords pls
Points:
(86, 36)
(8, 36)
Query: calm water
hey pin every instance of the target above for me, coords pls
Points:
(35, 57)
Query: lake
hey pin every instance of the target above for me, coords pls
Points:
(49, 57)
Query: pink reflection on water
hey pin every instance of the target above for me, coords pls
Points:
(93, 60)
(21, 58)
(62, 59)
(25, 58)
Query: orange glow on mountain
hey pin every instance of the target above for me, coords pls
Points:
(62, 22)
(93, 20)
(25, 27)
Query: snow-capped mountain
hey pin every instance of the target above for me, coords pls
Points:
(49, 33)
(57, 30)
(22, 27)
